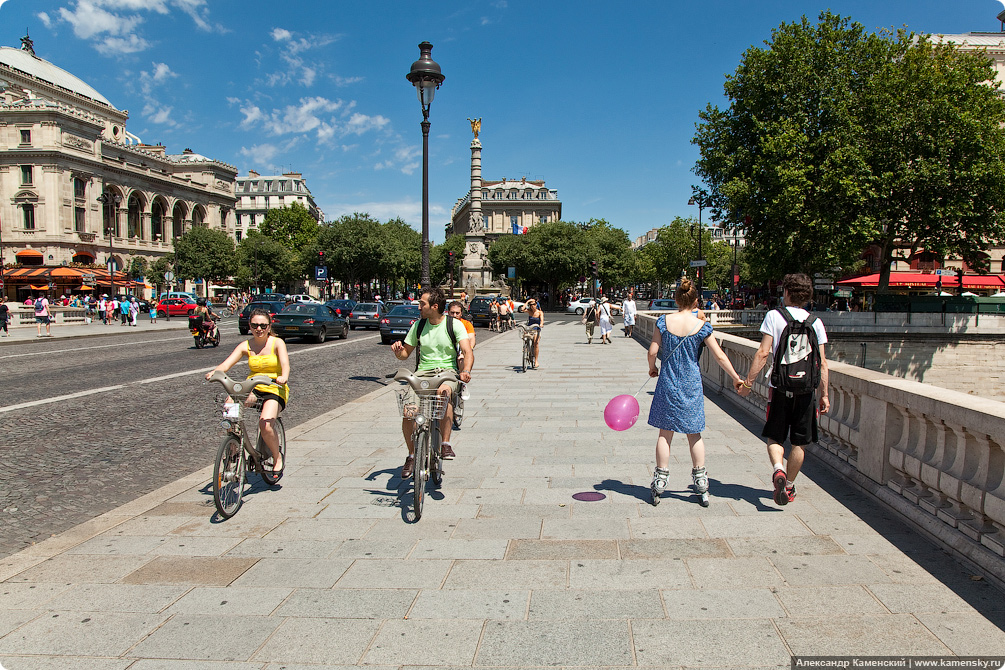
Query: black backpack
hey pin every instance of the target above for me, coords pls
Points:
(796, 368)
(450, 332)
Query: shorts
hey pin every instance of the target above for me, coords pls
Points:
(268, 395)
(793, 417)
(40, 318)
(455, 387)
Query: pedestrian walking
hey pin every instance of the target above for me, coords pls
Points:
(4, 316)
(153, 312)
(494, 315)
(629, 309)
(43, 316)
(111, 307)
(604, 317)
(590, 320)
(679, 403)
(102, 313)
(798, 374)
(124, 310)
(134, 311)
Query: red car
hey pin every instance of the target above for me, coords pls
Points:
(176, 307)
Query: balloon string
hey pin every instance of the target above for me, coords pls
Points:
(642, 387)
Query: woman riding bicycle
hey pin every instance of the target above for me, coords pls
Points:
(267, 355)
(535, 317)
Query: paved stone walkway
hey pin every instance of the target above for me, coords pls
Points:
(505, 569)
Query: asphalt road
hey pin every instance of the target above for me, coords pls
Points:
(133, 412)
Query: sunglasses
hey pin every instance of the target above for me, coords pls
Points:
(258, 325)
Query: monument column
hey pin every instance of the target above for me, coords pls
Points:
(476, 269)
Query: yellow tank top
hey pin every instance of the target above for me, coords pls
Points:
(267, 364)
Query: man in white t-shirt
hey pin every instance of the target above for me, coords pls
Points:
(436, 352)
(792, 416)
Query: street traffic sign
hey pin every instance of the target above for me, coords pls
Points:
(169, 276)
(938, 272)
(699, 264)
(320, 272)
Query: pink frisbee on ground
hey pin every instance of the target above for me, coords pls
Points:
(622, 412)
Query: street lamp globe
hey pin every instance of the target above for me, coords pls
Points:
(426, 76)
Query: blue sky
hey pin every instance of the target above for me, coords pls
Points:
(598, 98)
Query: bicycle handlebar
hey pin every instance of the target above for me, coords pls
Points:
(240, 388)
(425, 384)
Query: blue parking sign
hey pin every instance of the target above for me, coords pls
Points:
(320, 273)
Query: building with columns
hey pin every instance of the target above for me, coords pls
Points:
(257, 194)
(506, 203)
(62, 145)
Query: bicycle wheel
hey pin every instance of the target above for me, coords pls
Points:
(526, 355)
(268, 476)
(420, 472)
(435, 462)
(229, 476)
(458, 410)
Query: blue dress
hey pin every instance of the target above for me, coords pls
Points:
(679, 402)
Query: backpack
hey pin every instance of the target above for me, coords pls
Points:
(450, 332)
(796, 367)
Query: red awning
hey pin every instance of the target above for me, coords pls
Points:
(68, 273)
(29, 253)
(44, 287)
(926, 280)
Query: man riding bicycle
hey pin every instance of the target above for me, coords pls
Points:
(439, 349)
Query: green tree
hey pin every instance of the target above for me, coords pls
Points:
(265, 262)
(401, 252)
(138, 266)
(836, 138)
(353, 246)
(438, 259)
(292, 225)
(161, 266)
(204, 253)
(612, 249)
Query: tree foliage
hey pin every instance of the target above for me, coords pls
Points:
(836, 138)
(266, 262)
(204, 253)
(292, 226)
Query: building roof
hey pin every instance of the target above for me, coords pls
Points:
(46, 71)
(973, 39)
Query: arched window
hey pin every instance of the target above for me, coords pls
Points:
(198, 218)
(179, 221)
(157, 220)
(133, 218)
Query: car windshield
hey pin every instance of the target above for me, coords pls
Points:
(340, 304)
(268, 307)
(404, 310)
(480, 301)
(365, 307)
(300, 308)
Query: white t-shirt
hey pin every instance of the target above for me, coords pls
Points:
(628, 307)
(774, 324)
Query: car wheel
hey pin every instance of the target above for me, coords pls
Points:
(345, 333)
(322, 335)
(190, 312)
(579, 311)
(161, 315)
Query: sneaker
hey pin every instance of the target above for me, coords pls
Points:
(408, 467)
(790, 492)
(447, 452)
(778, 479)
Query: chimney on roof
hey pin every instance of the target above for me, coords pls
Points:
(188, 151)
(252, 173)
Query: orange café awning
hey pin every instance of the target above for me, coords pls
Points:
(86, 288)
(925, 280)
(29, 253)
(67, 273)
(44, 287)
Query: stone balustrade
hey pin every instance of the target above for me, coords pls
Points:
(936, 455)
(60, 315)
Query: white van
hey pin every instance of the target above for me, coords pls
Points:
(177, 294)
(302, 297)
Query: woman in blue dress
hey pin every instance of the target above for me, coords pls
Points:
(679, 403)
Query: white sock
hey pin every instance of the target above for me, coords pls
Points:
(778, 466)
(446, 444)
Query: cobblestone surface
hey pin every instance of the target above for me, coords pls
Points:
(66, 462)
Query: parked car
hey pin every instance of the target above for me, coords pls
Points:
(366, 315)
(310, 320)
(269, 297)
(302, 297)
(395, 324)
(663, 304)
(343, 307)
(273, 307)
(579, 306)
(479, 310)
(176, 307)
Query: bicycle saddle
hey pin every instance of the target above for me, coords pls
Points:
(424, 384)
(240, 388)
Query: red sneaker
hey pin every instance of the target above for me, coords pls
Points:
(790, 492)
(778, 479)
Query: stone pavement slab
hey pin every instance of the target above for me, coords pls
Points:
(505, 569)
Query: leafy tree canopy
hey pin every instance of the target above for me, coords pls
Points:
(292, 225)
(204, 253)
(266, 262)
(836, 138)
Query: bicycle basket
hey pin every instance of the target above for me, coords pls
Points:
(432, 406)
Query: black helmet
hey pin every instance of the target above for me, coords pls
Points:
(201, 302)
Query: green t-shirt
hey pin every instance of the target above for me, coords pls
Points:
(437, 351)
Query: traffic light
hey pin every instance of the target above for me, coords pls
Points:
(959, 279)
(321, 258)
(594, 270)
(450, 261)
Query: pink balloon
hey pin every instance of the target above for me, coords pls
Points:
(622, 412)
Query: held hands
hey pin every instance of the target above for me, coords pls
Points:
(742, 387)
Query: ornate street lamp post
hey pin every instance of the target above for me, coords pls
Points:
(699, 198)
(111, 203)
(425, 75)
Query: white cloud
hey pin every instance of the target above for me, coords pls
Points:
(260, 154)
(157, 113)
(43, 17)
(296, 69)
(361, 123)
(405, 159)
(307, 76)
(317, 115)
(281, 34)
(112, 25)
(346, 81)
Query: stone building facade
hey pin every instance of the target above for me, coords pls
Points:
(257, 194)
(507, 203)
(62, 145)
